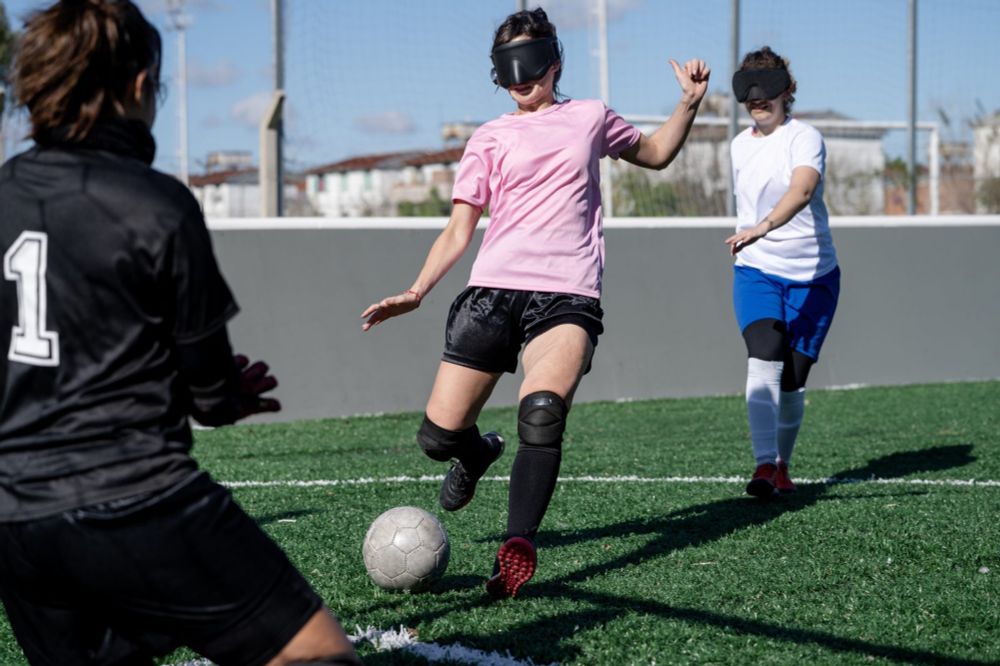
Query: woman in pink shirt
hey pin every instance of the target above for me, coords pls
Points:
(536, 281)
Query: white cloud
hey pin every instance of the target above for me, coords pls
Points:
(213, 75)
(249, 110)
(575, 14)
(389, 122)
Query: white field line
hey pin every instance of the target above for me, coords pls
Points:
(397, 480)
(403, 640)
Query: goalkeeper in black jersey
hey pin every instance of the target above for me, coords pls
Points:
(114, 547)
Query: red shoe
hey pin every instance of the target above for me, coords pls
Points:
(516, 561)
(782, 481)
(763, 481)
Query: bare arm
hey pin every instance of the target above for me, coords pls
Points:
(447, 249)
(660, 149)
(804, 182)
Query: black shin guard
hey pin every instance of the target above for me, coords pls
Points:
(541, 421)
(442, 445)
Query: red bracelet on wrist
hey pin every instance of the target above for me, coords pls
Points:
(410, 291)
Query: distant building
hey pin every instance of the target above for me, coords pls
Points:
(986, 163)
(229, 160)
(855, 163)
(956, 185)
(236, 193)
(378, 185)
(375, 185)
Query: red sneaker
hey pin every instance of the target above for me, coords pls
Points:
(517, 561)
(782, 481)
(763, 481)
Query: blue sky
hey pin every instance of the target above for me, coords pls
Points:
(379, 75)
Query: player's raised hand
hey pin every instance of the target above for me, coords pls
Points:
(692, 78)
(254, 381)
(390, 307)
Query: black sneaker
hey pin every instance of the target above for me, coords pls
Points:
(459, 484)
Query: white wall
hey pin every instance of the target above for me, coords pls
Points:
(917, 305)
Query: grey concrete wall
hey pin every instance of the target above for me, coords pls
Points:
(918, 304)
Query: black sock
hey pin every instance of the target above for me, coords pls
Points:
(532, 481)
(473, 453)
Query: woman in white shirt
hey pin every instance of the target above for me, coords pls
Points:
(786, 279)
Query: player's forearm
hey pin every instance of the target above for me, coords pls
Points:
(794, 200)
(447, 249)
(207, 369)
(669, 138)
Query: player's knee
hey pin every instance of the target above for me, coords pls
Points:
(437, 442)
(796, 371)
(765, 339)
(541, 419)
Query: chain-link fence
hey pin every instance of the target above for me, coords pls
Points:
(382, 78)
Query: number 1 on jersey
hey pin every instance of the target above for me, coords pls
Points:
(25, 263)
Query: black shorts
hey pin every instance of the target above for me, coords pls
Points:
(124, 581)
(487, 327)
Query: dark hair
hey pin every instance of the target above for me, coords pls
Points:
(765, 58)
(534, 24)
(77, 61)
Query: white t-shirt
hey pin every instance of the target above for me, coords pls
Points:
(801, 249)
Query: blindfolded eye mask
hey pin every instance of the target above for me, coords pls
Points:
(515, 63)
(752, 84)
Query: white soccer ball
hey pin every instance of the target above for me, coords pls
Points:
(406, 548)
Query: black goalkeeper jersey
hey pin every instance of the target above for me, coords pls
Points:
(107, 268)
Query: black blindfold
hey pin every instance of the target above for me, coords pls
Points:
(515, 63)
(751, 84)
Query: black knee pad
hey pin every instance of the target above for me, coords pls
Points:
(541, 419)
(440, 444)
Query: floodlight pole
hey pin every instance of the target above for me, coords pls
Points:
(911, 130)
(272, 127)
(179, 22)
(734, 106)
(607, 189)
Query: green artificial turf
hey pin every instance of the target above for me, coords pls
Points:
(665, 571)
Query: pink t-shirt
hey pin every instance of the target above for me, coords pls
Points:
(538, 172)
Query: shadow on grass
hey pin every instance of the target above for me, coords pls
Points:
(453, 583)
(704, 523)
(905, 463)
(546, 637)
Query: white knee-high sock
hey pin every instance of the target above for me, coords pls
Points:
(790, 411)
(763, 389)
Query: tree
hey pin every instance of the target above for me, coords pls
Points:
(989, 194)
(638, 195)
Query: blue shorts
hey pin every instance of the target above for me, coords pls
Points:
(806, 308)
